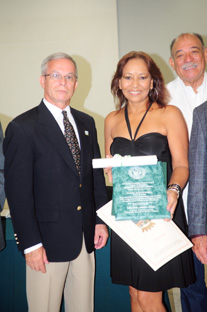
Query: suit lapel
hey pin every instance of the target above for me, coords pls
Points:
(52, 131)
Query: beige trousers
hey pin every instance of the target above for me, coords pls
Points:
(75, 279)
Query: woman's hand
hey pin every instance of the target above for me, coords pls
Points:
(108, 171)
(172, 201)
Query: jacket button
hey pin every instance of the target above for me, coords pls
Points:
(17, 243)
(80, 185)
(79, 208)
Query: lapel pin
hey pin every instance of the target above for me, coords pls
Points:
(86, 132)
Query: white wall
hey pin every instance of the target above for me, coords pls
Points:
(31, 30)
(151, 25)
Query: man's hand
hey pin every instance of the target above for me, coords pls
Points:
(101, 236)
(37, 259)
(200, 248)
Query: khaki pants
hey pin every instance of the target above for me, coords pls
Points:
(75, 279)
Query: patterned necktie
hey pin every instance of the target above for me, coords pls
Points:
(72, 141)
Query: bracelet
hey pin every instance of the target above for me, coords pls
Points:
(176, 188)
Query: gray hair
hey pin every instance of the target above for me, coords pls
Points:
(57, 56)
(194, 34)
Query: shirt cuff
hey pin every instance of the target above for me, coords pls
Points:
(30, 249)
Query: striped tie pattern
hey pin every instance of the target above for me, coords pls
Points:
(72, 141)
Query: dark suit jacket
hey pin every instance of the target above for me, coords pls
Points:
(2, 193)
(197, 192)
(48, 200)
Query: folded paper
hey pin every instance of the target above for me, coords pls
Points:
(156, 241)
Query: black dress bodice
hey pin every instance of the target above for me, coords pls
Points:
(148, 144)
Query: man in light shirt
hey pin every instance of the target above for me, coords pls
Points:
(189, 90)
(52, 199)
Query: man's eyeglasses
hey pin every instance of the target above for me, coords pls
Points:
(56, 76)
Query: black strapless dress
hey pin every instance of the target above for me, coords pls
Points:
(127, 267)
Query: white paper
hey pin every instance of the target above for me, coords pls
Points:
(157, 241)
(124, 161)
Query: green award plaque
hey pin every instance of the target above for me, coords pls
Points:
(139, 192)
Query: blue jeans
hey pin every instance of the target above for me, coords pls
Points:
(194, 297)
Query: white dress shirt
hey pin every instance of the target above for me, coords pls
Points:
(57, 114)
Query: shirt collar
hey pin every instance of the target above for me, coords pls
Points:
(56, 111)
(200, 88)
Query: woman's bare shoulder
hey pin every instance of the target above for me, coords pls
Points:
(171, 112)
(171, 109)
(113, 116)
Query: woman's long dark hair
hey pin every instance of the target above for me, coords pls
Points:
(160, 95)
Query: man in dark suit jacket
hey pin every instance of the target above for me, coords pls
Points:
(2, 193)
(197, 194)
(52, 205)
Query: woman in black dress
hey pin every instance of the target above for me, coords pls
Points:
(145, 125)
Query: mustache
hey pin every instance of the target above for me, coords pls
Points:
(191, 64)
